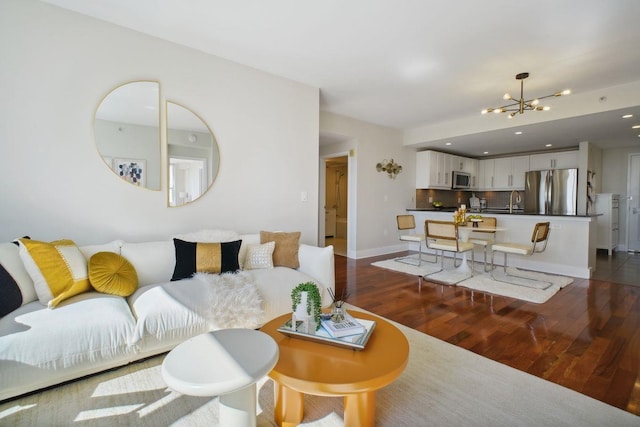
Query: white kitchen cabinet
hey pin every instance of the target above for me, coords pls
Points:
(607, 225)
(433, 169)
(509, 172)
(485, 174)
(559, 160)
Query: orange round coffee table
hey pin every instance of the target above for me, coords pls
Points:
(324, 370)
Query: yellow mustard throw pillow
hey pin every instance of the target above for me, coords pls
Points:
(111, 273)
(58, 269)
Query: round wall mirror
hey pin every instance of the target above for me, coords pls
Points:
(192, 153)
(127, 133)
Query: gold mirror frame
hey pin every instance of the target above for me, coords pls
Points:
(193, 157)
(126, 129)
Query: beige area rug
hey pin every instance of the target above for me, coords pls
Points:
(443, 385)
(527, 285)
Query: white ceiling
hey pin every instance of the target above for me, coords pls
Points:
(411, 64)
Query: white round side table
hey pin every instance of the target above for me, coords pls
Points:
(225, 363)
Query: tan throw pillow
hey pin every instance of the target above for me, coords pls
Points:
(113, 274)
(285, 253)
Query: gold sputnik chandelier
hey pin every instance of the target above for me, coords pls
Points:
(519, 106)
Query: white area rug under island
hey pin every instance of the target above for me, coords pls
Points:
(548, 284)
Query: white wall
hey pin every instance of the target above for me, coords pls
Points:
(57, 66)
(378, 198)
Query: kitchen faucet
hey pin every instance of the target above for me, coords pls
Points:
(511, 199)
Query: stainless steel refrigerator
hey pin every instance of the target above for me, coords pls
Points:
(551, 192)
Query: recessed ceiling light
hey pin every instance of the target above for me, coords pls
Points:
(486, 152)
(635, 127)
(548, 145)
(627, 116)
(519, 132)
(447, 143)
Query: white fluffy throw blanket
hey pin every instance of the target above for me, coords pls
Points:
(234, 301)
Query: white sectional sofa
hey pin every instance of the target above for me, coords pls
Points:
(92, 331)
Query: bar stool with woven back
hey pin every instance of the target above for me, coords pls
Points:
(539, 240)
(407, 233)
(443, 236)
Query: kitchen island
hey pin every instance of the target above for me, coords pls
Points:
(571, 250)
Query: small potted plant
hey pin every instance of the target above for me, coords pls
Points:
(305, 303)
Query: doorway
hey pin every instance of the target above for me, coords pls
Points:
(187, 178)
(633, 204)
(336, 203)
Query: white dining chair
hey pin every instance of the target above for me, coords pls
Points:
(443, 236)
(538, 244)
(407, 233)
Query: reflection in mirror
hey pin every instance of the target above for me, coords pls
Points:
(193, 155)
(127, 133)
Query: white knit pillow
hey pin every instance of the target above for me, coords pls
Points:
(259, 256)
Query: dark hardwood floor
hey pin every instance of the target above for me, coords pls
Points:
(586, 337)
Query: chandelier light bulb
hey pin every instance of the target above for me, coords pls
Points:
(546, 108)
(506, 96)
(485, 111)
(535, 102)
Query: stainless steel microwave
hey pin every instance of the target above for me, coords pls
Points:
(461, 180)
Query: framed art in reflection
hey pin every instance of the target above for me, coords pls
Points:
(133, 171)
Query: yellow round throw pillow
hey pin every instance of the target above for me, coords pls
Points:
(111, 273)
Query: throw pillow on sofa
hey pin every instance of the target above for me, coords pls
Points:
(113, 274)
(58, 269)
(259, 256)
(285, 253)
(16, 287)
(199, 257)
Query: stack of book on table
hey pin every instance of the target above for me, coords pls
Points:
(349, 326)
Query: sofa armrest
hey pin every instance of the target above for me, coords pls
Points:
(319, 264)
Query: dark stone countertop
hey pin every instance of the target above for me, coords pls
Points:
(494, 211)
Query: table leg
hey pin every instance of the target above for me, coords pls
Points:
(288, 410)
(238, 409)
(464, 267)
(360, 409)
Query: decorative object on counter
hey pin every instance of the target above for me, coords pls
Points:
(305, 302)
(337, 309)
(475, 220)
(460, 215)
(390, 167)
(474, 202)
(519, 106)
(437, 205)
